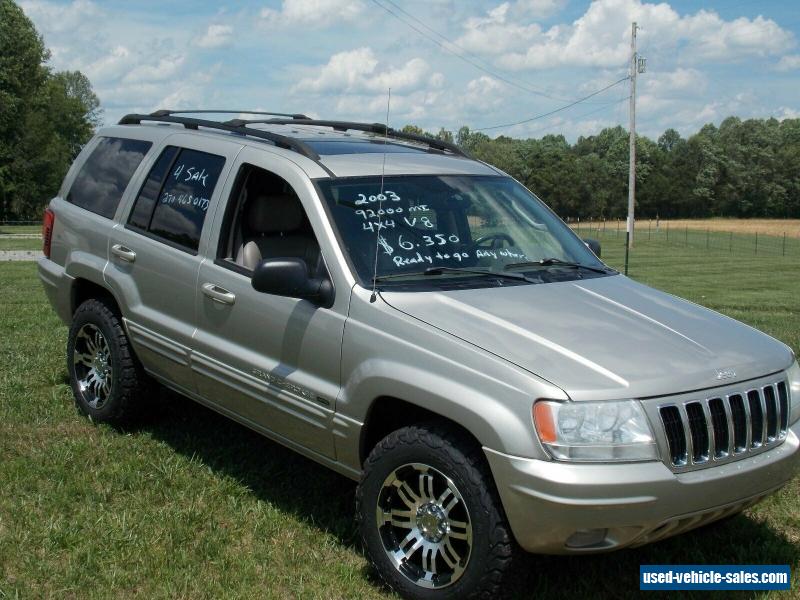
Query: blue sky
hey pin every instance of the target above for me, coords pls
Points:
(337, 58)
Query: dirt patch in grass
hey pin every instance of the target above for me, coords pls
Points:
(772, 227)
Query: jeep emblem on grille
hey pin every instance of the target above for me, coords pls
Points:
(726, 373)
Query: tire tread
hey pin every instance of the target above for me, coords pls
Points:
(133, 384)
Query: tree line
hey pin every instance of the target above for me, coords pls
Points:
(747, 168)
(45, 118)
(743, 168)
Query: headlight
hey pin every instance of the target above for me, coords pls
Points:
(794, 393)
(595, 431)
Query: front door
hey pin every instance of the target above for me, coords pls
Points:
(270, 360)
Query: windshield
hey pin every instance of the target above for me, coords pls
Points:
(450, 221)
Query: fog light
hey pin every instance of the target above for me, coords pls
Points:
(585, 538)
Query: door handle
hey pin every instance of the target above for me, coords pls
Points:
(218, 294)
(123, 252)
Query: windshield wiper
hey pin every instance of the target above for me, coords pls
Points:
(549, 262)
(443, 270)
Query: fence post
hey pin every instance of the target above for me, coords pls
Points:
(649, 225)
(686, 237)
(784, 243)
(667, 230)
(707, 239)
(756, 242)
(730, 244)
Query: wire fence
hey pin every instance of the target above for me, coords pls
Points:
(710, 239)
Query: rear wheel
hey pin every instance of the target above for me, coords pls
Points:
(107, 380)
(430, 518)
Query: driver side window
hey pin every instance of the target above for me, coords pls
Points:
(265, 219)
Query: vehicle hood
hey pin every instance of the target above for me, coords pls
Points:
(601, 338)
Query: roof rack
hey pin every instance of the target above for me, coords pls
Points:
(240, 127)
(282, 141)
(166, 113)
(377, 128)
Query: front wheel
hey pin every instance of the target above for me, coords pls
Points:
(430, 518)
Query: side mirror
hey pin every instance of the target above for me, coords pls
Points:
(289, 277)
(593, 245)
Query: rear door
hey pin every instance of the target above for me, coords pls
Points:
(155, 252)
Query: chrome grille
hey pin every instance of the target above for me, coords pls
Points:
(725, 427)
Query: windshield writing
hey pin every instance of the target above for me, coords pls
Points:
(416, 222)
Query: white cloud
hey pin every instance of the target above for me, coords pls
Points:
(344, 71)
(166, 68)
(790, 62)
(356, 71)
(680, 82)
(138, 60)
(354, 84)
(724, 40)
(113, 64)
(70, 17)
(215, 36)
(601, 36)
(483, 93)
(404, 108)
(313, 12)
(495, 33)
(784, 112)
(693, 114)
(134, 64)
(538, 9)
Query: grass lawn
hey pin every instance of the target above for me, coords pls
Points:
(21, 229)
(20, 244)
(191, 505)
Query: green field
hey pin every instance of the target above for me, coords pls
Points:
(20, 243)
(191, 505)
(701, 236)
(20, 229)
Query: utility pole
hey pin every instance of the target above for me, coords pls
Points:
(635, 66)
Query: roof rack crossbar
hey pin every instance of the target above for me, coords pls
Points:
(377, 128)
(166, 113)
(281, 141)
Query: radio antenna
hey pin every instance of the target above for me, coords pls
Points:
(374, 295)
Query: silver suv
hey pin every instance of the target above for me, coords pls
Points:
(420, 322)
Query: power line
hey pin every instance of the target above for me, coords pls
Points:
(433, 31)
(554, 111)
(491, 72)
(477, 65)
(606, 106)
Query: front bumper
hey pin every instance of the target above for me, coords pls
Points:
(558, 508)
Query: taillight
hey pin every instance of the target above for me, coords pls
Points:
(47, 230)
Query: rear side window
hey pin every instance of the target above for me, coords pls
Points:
(143, 208)
(173, 201)
(102, 180)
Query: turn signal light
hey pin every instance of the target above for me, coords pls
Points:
(543, 419)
